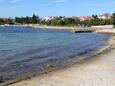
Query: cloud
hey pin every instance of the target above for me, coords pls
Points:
(59, 1)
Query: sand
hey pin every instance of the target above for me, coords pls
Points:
(95, 71)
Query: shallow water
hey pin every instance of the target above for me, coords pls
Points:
(26, 51)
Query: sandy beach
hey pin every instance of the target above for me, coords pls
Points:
(95, 71)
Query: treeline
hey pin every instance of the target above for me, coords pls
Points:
(65, 21)
(97, 21)
(7, 21)
(113, 19)
(61, 21)
(28, 20)
(56, 21)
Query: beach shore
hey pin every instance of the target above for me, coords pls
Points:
(106, 29)
(95, 71)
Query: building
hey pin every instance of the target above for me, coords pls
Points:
(105, 16)
(7, 20)
(48, 18)
(83, 18)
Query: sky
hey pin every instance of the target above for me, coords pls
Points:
(45, 8)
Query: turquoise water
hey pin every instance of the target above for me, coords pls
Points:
(26, 51)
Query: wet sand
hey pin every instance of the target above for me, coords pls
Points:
(96, 71)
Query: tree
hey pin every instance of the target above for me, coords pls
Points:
(113, 19)
(10, 21)
(1, 22)
(34, 19)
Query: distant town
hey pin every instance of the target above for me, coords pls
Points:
(85, 21)
(83, 18)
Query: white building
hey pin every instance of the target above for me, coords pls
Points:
(105, 16)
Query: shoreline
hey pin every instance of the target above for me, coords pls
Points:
(100, 51)
(103, 50)
(97, 52)
(37, 26)
(105, 29)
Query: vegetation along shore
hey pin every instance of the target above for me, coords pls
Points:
(83, 21)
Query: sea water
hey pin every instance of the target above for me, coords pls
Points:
(25, 51)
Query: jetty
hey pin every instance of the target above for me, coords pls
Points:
(83, 30)
(97, 30)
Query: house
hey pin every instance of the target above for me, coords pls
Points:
(105, 16)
